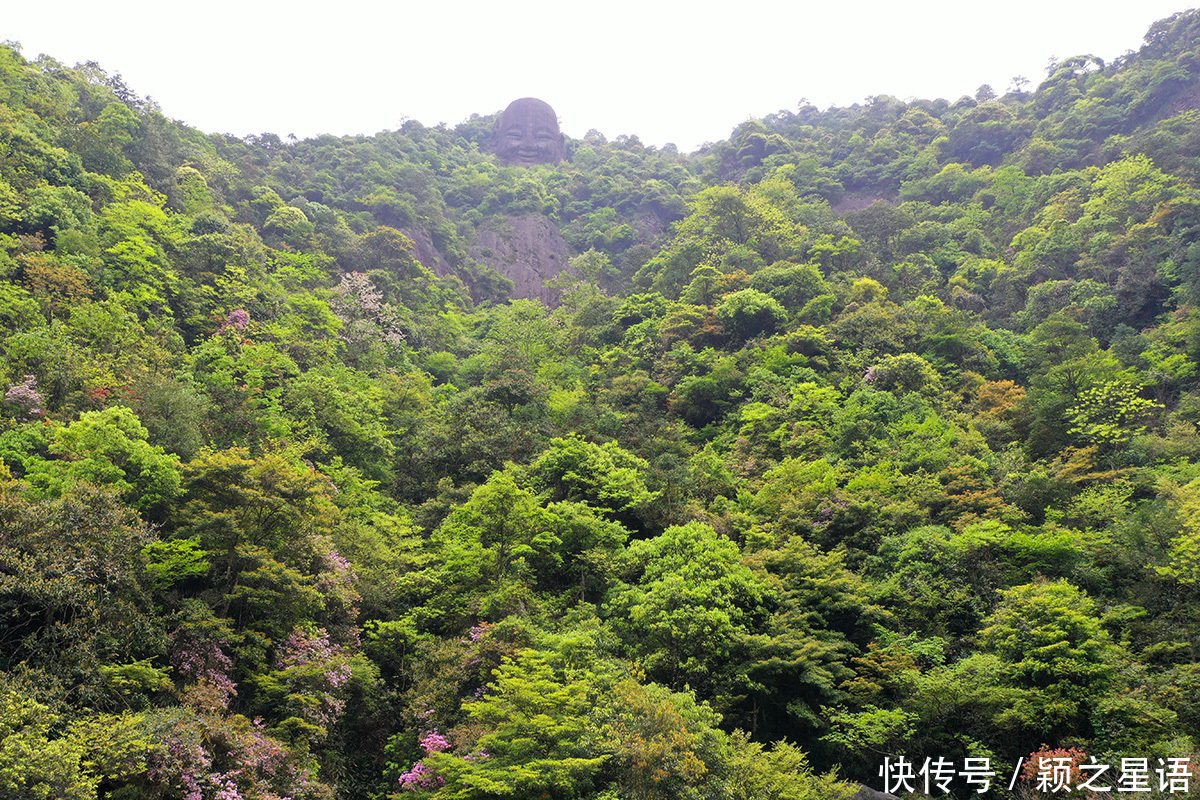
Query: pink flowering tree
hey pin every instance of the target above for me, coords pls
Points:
(421, 776)
(199, 657)
(368, 321)
(314, 674)
(221, 756)
(238, 320)
(26, 398)
(338, 585)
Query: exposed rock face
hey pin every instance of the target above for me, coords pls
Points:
(426, 253)
(528, 251)
(1186, 100)
(867, 793)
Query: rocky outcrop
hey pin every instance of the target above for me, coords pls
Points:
(867, 793)
(527, 250)
(1186, 100)
(426, 253)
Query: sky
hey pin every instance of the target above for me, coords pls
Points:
(684, 73)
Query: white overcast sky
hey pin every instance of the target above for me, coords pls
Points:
(665, 71)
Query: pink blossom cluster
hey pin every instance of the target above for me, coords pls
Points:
(184, 759)
(361, 307)
(338, 585)
(238, 320)
(259, 756)
(315, 667)
(203, 663)
(211, 756)
(359, 289)
(25, 395)
(337, 563)
(420, 775)
(434, 742)
(227, 789)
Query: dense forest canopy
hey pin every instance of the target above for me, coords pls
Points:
(867, 433)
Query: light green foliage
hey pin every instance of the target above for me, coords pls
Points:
(536, 736)
(1111, 413)
(51, 210)
(18, 310)
(388, 254)
(1053, 647)
(270, 502)
(378, 539)
(523, 327)
(1185, 548)
(193, 189)
(954, 183)
(348, 412)
(688, 609)
(107, 447)
(496, 545)
(662, 743)
(903, 373)
(245, 381)
(1130, 188)
(605, 476)
(750, 313)
(290, 225)
(756, 221)
(136, 237)
(792, 490)
(792, 285)
(175, 560)
(264, 525)
(779, 773)
(35, 764)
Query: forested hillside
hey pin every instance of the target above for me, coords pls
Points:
(869, 432)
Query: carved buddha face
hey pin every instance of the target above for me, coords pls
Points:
(527, 133)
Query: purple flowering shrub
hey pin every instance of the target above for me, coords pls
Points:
(421, 775)
(26, 397)
(338, 586)
(214, 756)
(199, 657)
(238, 320)
(315, 672)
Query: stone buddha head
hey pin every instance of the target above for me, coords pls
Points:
(527, 133)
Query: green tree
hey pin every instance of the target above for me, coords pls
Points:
(74, 596)
(605, 477)
(496, 550)
(41, 761)
(750, 313)
(536, 740)
(688, 609)
(1054, 649)
(1111, 414)
(108, 447)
